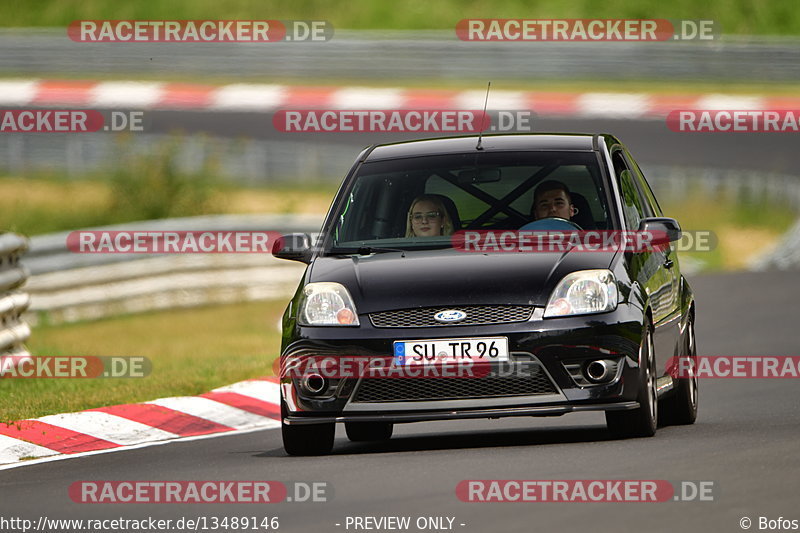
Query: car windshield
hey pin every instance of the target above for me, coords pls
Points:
(418, 203)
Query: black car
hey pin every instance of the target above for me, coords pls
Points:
(556, 330)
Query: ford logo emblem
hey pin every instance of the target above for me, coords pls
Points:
(450, 315)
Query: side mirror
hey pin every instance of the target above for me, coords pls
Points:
(664, 229)
(294, 247)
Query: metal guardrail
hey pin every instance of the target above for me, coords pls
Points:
(67, 287)
(403, 54)
(49, 253)
(14, 331)
(776, 187)
(784, 256)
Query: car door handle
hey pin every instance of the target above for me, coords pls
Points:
(669, 263)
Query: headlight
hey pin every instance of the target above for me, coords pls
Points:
(583, 292)
(326, 304)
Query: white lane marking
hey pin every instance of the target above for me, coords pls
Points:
(17, 92)
(248, 96)
(625, 105)
(12, 449)
(126, 448)
(266, 391)
(134, 435)
(107, 427)
(127, 94)
(367, 98)
(498, 100)
(216, 412)
(724, 101)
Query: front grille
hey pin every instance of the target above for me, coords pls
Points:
(476, 315)
(379, 390)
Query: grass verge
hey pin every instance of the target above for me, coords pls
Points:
(33, 206)
(744, 227)
(777, 17)
(191, 350)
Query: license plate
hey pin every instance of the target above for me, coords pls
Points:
(451, 351)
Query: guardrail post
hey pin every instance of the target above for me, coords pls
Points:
(13, 302)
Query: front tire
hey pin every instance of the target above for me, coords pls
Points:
(681, 407)
(643, 421)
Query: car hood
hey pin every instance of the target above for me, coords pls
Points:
(387, 281)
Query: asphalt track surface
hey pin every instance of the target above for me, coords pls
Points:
(745, 441)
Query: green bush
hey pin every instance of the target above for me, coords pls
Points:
(150, 186)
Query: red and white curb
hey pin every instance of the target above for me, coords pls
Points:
(267, 98)
(247, 405)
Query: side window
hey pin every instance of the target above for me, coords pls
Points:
(647, 191)
(632, 203)
(620, 165)
(371, 211)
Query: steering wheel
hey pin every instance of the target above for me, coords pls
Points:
(551, 224)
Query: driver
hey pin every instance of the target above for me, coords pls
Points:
(552, 199)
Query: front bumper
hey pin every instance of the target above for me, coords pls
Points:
(398, 418)
(554, 345)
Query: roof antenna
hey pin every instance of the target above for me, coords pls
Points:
(480, 133)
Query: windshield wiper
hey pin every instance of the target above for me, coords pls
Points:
(366, 250)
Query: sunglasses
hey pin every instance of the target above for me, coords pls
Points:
(418, 217)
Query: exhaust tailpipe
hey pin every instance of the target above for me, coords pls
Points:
(598, 371)
(314, 383)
